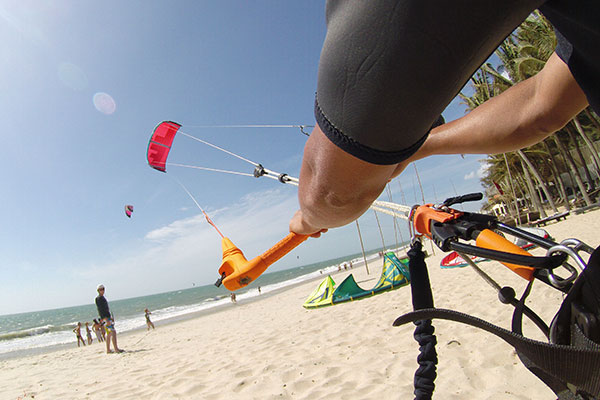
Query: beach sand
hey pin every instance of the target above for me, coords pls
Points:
(273, 348)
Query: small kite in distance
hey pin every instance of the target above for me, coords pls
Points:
(128, 210)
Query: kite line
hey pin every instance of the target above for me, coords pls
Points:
(164, 133)
(199, 206)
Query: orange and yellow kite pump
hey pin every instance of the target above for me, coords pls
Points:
(237, 272)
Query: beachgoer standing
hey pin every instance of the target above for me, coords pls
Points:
(233, 300)
(97, 328)
(77, 331)
(109, 323)
(148, 322)
(89, 332)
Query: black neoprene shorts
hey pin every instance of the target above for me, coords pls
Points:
(389, 68)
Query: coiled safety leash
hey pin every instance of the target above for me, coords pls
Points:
(422, 298)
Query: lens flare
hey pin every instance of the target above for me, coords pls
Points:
(104, 103)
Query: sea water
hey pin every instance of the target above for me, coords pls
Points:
(41, 330)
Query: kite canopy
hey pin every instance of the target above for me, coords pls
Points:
(128, 210)
(394, 275)
(160, 144)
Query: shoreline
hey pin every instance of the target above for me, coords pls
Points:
(36, 351)
(274, 348)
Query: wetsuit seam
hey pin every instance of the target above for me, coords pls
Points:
(359, 150)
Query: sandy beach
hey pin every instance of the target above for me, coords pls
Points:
(273, 348)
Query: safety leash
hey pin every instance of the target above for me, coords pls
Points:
(422, 298)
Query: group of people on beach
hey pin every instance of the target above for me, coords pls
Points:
(104, 327)
(97, 328)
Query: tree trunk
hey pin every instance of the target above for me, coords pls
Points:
(557, 177)
(535, 200)
(568, 169)
(589, 145)
(512, 188)
(573, 167)
(592, 116)
(537, 176)
(586, 170)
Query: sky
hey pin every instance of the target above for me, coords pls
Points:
(83, 85)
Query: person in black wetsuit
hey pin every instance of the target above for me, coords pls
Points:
(389, 68)
(109, 323)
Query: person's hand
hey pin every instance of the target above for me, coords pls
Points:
(301, 227)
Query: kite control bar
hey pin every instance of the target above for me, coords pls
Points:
(447, 226)
(236, 272)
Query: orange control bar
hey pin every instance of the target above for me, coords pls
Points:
(487, 239)
(239, 272)
(424, 214)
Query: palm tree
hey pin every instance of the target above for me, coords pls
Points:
(539, 180)
(522, 55)
(573, 168)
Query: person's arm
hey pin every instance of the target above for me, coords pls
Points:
(521, 116)
(335, 187)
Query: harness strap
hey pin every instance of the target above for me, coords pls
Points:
(557, 386)
(579, 367)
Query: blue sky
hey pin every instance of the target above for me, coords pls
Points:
(83, 85)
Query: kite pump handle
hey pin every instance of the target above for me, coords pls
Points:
(281, 248)
(237, 272)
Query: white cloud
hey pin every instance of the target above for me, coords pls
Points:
(480, 173)
(189, 250)
(175, 229)
(482, 170)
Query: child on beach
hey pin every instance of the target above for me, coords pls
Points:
(97, 328)
(77, 331)
(148, 322)
(89, 332)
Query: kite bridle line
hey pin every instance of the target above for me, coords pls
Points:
(393, 209)
(252, 126)
(258, 171)
(210, 169)
(302, 127)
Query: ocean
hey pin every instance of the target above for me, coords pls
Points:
(42, 330)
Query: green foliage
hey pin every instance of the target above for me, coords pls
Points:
(522, 55)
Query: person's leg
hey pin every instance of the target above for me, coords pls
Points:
(114, 340)
(108, 336)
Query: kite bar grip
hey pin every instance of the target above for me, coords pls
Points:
(281, 248)
(491, 240)
(236, 272)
